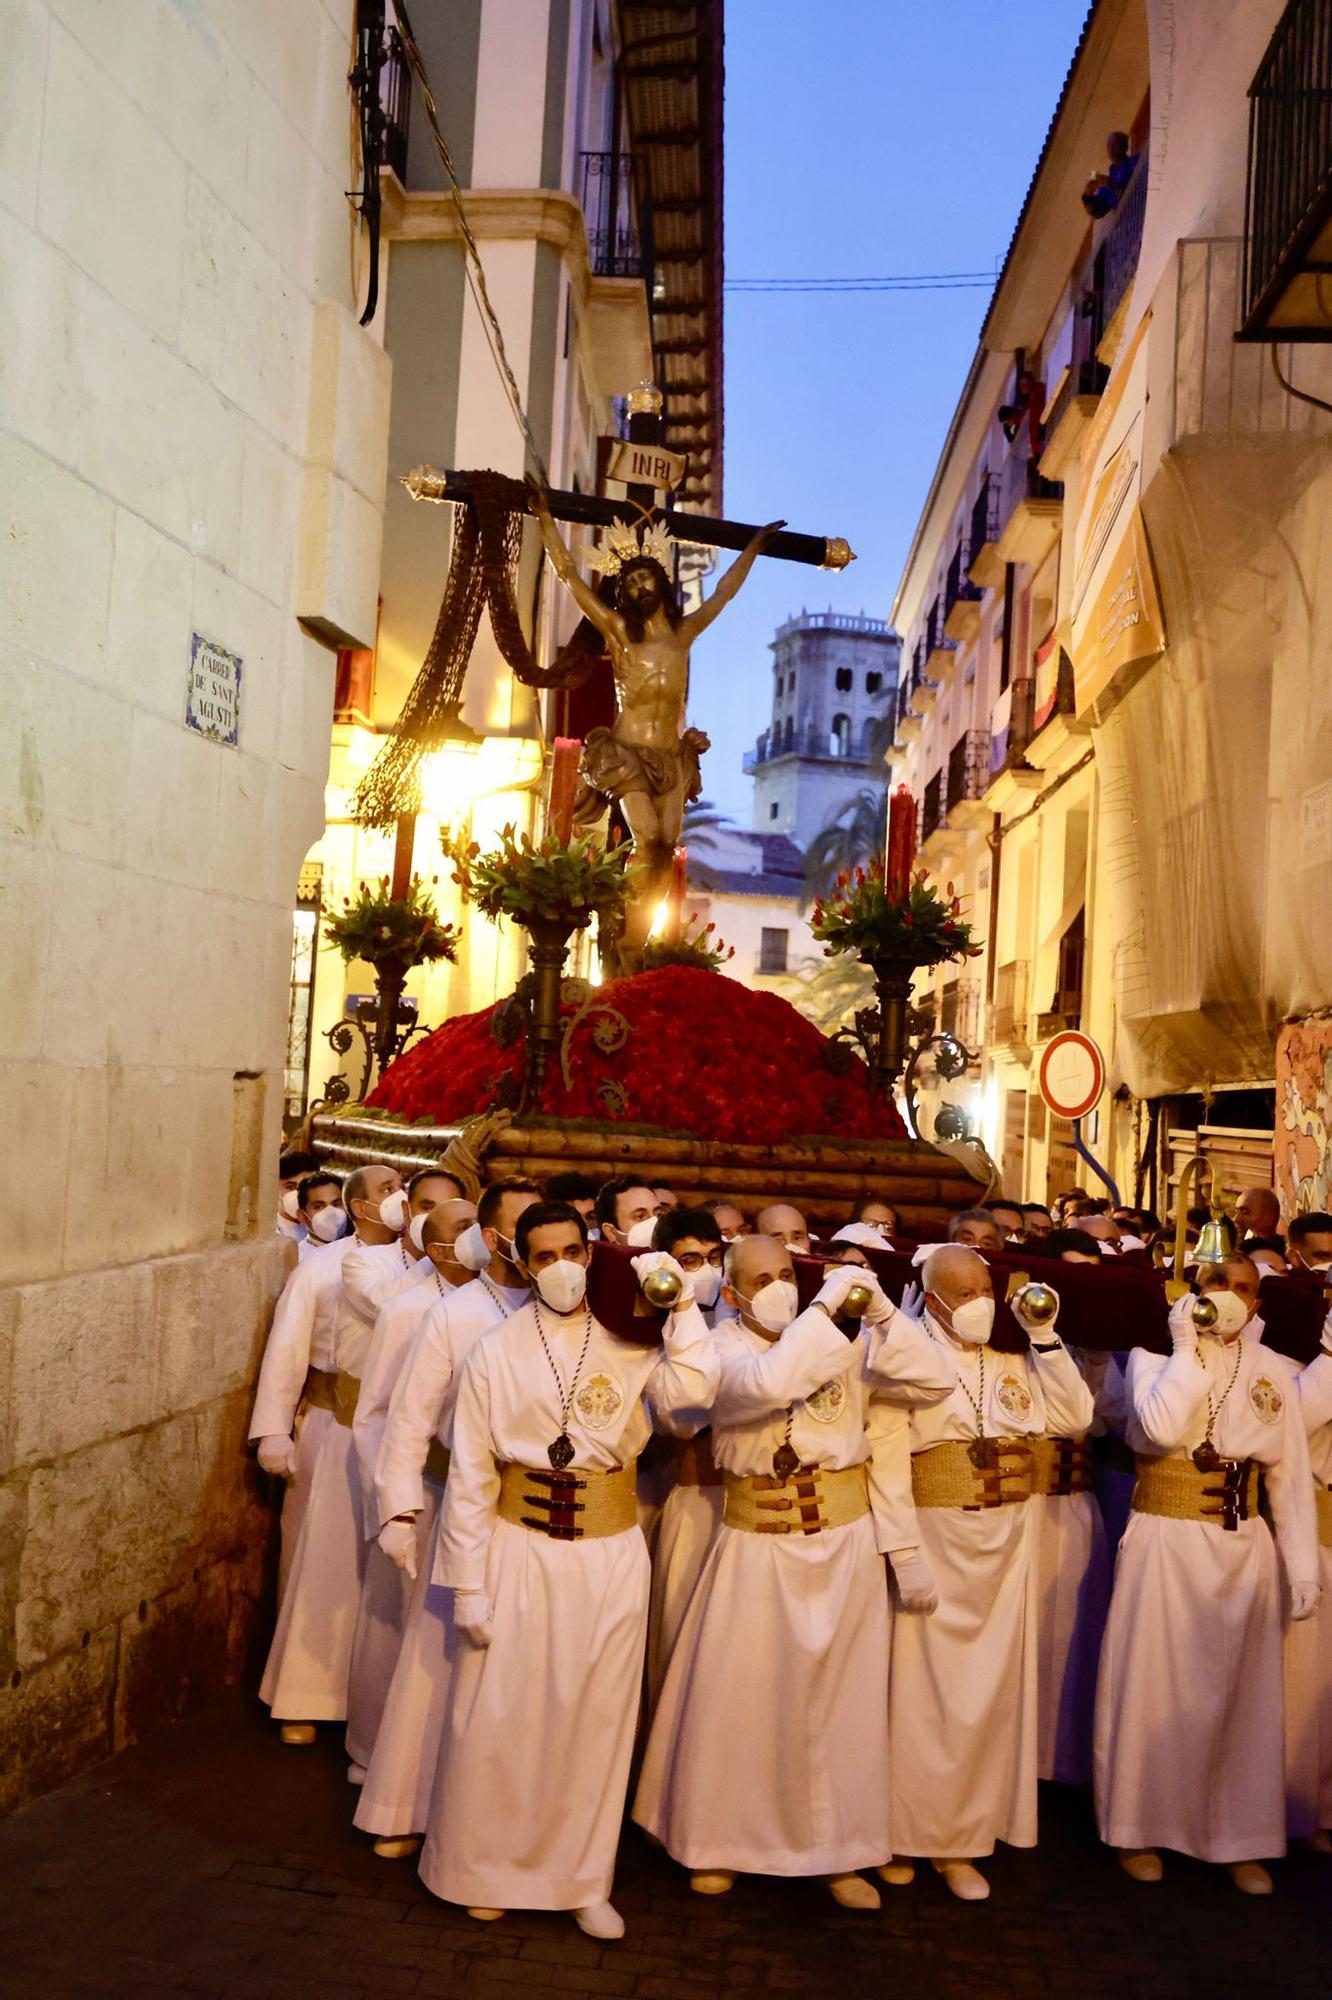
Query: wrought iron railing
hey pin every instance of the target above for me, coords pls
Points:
(395, 96)
(1116, 257)
(1086, 375)
(957, 584)
(968, 766)
(1023, 480)
(1008, 1015)
(1289, 190)
(804, 743)
(984, 518)
(934, 637)
(617, 208)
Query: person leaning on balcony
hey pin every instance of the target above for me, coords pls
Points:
(1102, 192)
(963, 1682)
(1189, 1706)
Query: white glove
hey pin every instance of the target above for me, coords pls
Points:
(831, 1294)
(473, 1616)
(1044, 1332)
(1183, 1332)
(662, 1260)
(398, 1541)
(277, 1455)
(1304, 1599)
(916, 1588)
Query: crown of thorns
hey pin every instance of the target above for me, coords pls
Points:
(623, 547)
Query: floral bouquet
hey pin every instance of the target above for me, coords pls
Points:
(692, 947)
(918, 928)
(391, 930)
(549, 879)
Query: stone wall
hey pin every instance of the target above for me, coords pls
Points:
(134, 1526)
(193, 437)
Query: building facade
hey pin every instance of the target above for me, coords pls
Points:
(834, 683)
(1116, 714)
(587, 140)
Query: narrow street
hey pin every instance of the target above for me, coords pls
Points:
(210, 1861)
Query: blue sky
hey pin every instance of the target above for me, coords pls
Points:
(865, 137)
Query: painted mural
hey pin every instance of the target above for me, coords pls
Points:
(1304, 1116)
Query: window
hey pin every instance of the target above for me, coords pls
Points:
(844, 680)
(873, 683)
(840, 736)
(789, 741)
(772, 950)
(772, 810)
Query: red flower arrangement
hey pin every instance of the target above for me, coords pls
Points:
(705, 1056)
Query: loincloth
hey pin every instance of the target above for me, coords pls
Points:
(611, 769)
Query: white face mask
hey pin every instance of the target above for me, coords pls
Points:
(416, 1233)
(327, 1224)
(471, 1249)
(290, 1204)
(1319, 1264)
(641, 1234)
(393, 1210)
(774, 1306)
(562, 1285)
(972, 1322)
(707, 1286)
(1232, 1315)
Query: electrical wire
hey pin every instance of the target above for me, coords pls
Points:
(924, 281)
(475, 271)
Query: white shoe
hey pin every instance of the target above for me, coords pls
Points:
(397, 1846)
(897, 1874)
(486, 1916)
(965, 1880)
(356, 1774)
(1141, 1864)
(600, 1920)
(1318, 1843)
(297, 1732)
(1251, 1878)
(853, 1892)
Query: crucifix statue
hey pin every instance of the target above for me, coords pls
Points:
(647, 761)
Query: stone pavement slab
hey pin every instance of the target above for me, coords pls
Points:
(211, 1861)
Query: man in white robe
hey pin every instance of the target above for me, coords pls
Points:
(293, 1404)
(306, 1674)
(385, 1587)
(410, 1469)
(1309, 1642)
(1189, 1735)
(540, 1545)
(963, 1684)
(319, 1210)
(785, 1772)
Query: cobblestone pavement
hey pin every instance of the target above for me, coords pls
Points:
(212, 1861)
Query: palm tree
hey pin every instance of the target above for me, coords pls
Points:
(853, 836)
(830, 992)
(702, 823)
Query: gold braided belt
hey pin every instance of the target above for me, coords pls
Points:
(570, 1506)
(812, 1499)
(1222, 1496)
(1060, 1466)
(346, 1393)
(693, 1461)
(319, 1391)
(986, 1472)
(437, 1461)
(1323, 1502)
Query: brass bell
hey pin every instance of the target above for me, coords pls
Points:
(1216, 1240)
(1205, 1314)
(1037, 1302)
(662, 1287)
(856, 1303)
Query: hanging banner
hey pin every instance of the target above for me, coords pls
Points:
(1303, 1146)
(1115, 611)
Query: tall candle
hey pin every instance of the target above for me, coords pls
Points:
(901, 842)
(563, 787)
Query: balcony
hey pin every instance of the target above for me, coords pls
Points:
(1008, 1026)
(395, 97)
(1010, 733)
(1031, 510)
(819, 745)
(968, 779)
(962, 602)
(1221, 387)
(1116, 243)
(939, 650)
(617, 204)
(984, 563)
(933, 832)
(1079, 381)
(1288, 196)
(960, 1008)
